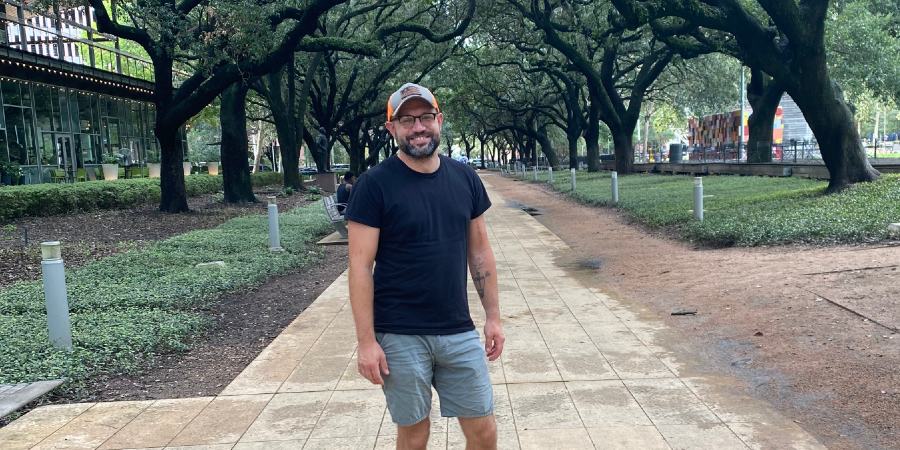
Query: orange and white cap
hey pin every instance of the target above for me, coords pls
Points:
(408, 92)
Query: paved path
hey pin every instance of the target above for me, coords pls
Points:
(579, 371)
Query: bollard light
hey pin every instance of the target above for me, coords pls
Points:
(535, 173)
(58, 325)
(698, 198)
(615, 187)
(573, 179)
(550, 172)
(274, 231)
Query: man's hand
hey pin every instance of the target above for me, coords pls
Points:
(371, 362)
(493, 339)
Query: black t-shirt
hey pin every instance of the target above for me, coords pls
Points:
(420, 268)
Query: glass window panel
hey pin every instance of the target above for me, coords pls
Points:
(31, 154)
(114, 140)
(73, 111)
(87, 149)
(4, 150)
(84, 113)
(48, 149)
(42, 108)
(95, 113)
(151, 118)
(11, 93)
(101, 103)
(26, 94)
(96, 149)
(15, 126)
(64, 110)
(54, 103)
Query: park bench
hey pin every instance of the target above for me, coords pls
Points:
(15, 396)
(337, 219)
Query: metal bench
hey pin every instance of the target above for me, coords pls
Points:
(337, 219)
(15, 396)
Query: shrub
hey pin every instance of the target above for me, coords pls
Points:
(130, 306)
(50, 199)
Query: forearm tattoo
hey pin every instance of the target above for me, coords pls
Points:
(479, 277)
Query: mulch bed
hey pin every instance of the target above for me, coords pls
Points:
(244, 322)
(92, 235)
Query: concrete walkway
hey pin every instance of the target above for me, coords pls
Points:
(579, 371)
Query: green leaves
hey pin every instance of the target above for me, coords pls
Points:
(128, 307)
(51, 199)
(750, 211)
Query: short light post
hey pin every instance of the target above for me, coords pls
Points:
(550, 173)
(573, 179)
(54, 275)
(274, 230)
(615, 187)
(698, 198)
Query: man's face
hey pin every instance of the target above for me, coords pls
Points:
(417, 139)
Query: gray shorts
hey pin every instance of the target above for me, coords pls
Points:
(454, 364)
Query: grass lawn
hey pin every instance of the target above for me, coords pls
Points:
(747, 211)
(127, 307)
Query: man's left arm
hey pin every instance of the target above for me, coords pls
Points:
(483, 268)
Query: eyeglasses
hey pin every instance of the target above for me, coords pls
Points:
(408, 121)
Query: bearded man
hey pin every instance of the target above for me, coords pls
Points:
(418, 219)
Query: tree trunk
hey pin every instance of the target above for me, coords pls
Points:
(573, 152)
(592, 139)
(623, 145)
(483, 156)
(283, 114)
(173, 195)
(831, 120)
(764, 96)
(547, 148)
(235, 169)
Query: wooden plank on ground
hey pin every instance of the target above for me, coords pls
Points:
(333, 239)
(15, 396)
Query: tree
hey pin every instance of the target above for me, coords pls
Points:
(619, 65)
(783, 38)
(235, 168)
(219, 42)
(348, 92)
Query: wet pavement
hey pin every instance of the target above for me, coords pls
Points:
(580, 370)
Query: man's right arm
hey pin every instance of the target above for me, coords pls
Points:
(363, 244)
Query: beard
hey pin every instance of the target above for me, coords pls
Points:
(420, 152)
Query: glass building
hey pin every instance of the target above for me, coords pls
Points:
(44, 127)
(70, 96)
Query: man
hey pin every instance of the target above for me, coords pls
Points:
(343, 191)
(418, 215)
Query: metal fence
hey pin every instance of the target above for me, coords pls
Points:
(56, 36)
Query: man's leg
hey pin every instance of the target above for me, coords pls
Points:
(413, 437)
(407, 389)
(481, 432)
(464, 386)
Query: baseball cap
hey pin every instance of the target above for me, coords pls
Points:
(408, 92)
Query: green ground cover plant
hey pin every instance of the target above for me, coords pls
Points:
(61, 198)
(127, 307)
(746, 211)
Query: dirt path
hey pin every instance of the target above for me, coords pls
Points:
(811, 330)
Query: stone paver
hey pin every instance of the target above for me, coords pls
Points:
(580, 370)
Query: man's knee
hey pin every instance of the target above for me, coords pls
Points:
(413, 437)
(481, 432)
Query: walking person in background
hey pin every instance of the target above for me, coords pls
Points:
(343, 191)
(418, 218)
